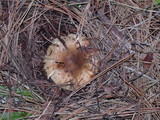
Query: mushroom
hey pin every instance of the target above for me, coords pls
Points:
(70, 62)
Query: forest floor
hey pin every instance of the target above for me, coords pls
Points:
(126, 34)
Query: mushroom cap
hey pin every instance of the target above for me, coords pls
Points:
(70, 64)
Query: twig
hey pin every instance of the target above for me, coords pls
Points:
(44, 111)
(100, 74)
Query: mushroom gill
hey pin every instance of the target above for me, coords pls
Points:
(72, 63)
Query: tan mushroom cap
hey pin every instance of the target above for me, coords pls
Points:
(70, 65)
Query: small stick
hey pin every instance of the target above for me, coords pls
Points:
(100, 74)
